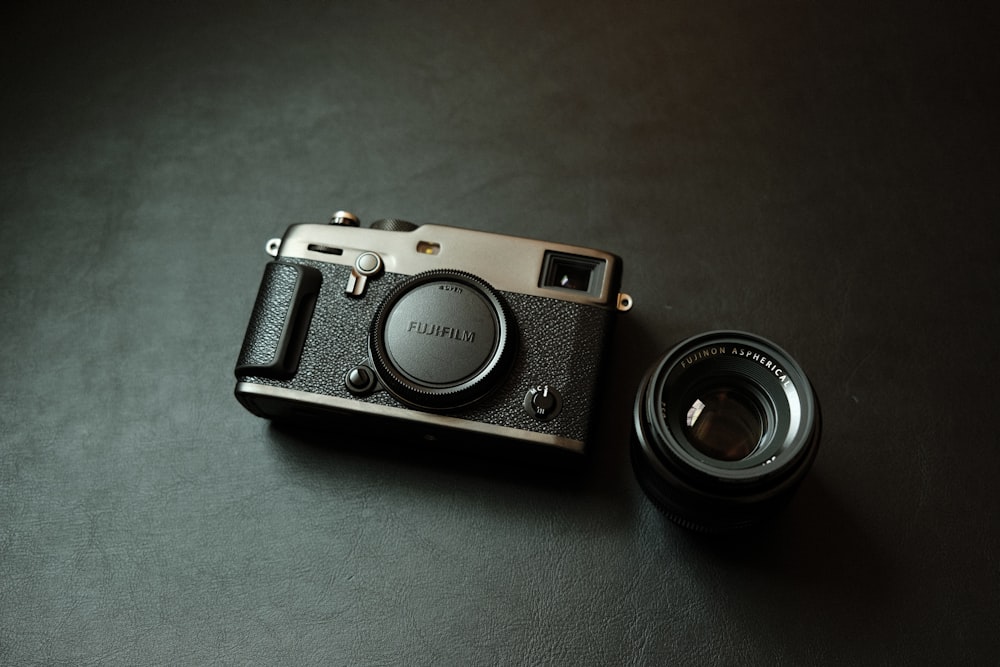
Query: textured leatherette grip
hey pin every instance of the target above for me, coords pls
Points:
(280, 320)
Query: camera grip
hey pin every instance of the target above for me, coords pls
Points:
(281, 315)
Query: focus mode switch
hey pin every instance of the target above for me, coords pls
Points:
(543, 402)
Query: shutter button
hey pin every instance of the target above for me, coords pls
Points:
(543, 402)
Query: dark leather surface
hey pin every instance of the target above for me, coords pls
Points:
(824, 174)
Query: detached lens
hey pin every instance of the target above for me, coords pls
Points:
(726, 426)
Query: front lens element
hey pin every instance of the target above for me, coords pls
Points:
(725, 425)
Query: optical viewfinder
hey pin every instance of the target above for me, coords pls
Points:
(576, 273)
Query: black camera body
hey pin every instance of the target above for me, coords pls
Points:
(440, 332)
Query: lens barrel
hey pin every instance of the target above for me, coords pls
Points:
(726, 425)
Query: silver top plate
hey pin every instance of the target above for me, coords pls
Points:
(509, 263)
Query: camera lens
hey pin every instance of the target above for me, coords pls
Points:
(441, 340)
(726, 425)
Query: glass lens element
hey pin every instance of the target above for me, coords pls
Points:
(724, 425)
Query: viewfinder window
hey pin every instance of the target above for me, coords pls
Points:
(575, 273)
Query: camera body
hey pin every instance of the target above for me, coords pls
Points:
(441, 333)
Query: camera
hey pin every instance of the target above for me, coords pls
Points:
(725, 427)
(439, 332)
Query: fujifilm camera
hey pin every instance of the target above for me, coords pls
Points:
(441, 333)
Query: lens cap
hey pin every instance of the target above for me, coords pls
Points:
(442, 339)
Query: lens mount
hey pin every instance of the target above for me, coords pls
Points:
(726, 425)
(442, 339)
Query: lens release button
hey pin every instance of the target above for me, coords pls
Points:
(543, 402)
(360, 380)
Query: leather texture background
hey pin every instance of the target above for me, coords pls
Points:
(823, 174)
